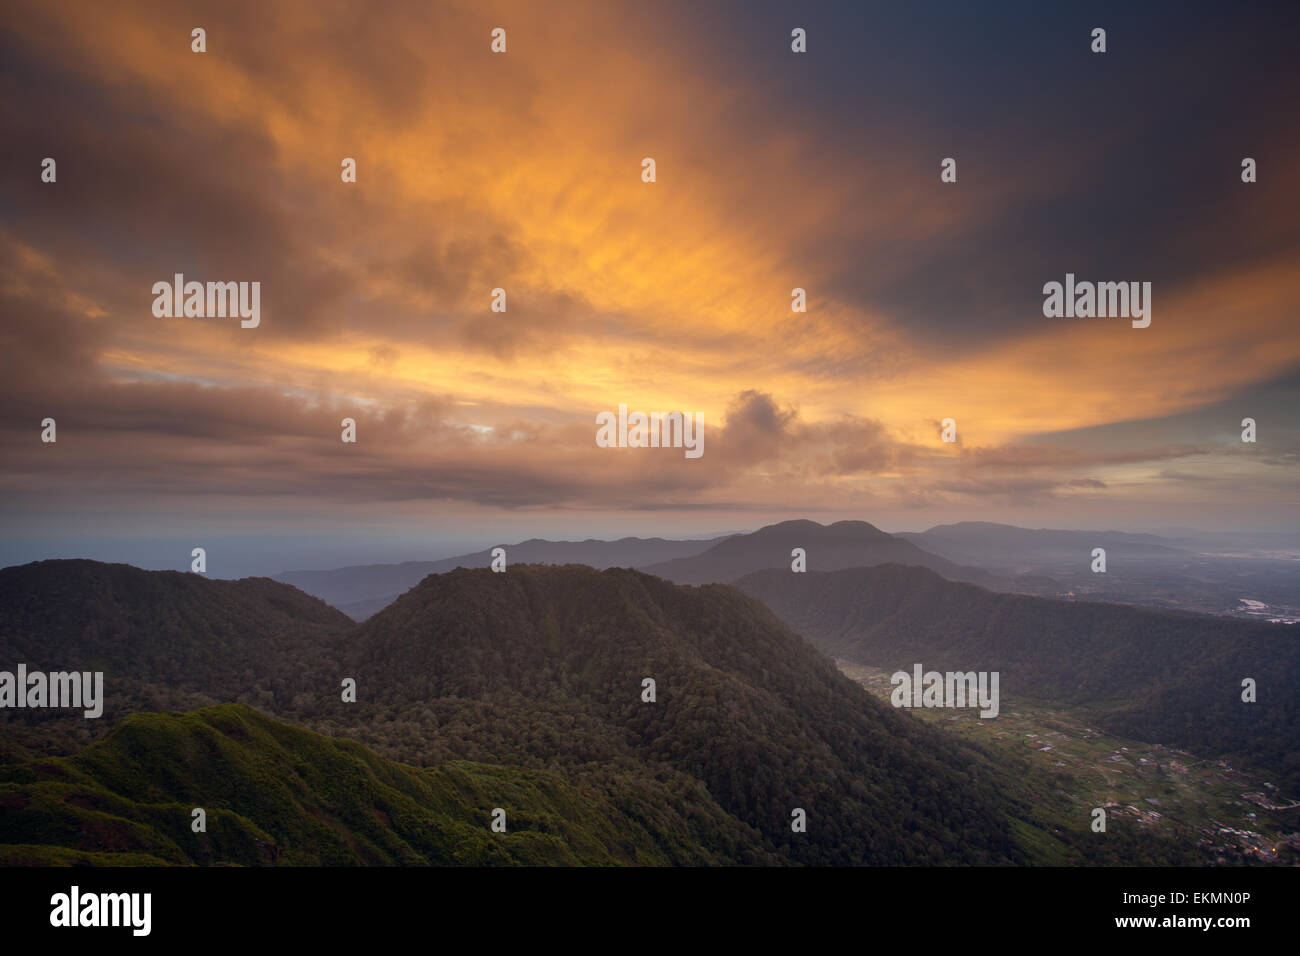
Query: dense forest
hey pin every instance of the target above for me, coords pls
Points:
(475, 690)
(275, 794)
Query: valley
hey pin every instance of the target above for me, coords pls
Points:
(1233, 817)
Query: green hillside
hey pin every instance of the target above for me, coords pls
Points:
(277, 795)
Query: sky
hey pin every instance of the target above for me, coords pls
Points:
(522, 170)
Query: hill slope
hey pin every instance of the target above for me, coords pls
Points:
(165, 639)
(276, 795)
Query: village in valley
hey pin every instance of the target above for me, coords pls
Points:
(1234, 817)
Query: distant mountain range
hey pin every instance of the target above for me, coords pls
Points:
(1143, 569)
(1208, 573)
(1011, 549)
(362, 590)
(365, 589)
(521, 690)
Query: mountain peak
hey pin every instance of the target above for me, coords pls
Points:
(844, 544)
(839, 529)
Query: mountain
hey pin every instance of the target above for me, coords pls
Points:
(362, 590)
(1164, 676)
(165, 638)
(1009, 548)
(475, 689)
(278, 795)
(1210, 574)
(844, 544)
(544, 666)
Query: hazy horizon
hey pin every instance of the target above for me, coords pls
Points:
(244, 556)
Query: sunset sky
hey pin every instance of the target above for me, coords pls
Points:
(522, 170)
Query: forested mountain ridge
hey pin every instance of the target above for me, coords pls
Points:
(162, 622)
(165, 639)
(538, 670)
(742, 704)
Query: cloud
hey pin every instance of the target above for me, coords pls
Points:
(522, 172)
